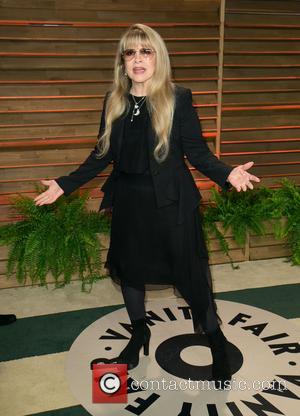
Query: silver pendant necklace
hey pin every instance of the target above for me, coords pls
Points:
(137, 106)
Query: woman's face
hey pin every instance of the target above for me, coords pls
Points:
(140, 63)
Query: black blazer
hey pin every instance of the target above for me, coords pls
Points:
(172, 179)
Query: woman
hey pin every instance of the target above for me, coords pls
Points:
(147, 125)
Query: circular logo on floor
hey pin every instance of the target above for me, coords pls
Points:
(263, 350)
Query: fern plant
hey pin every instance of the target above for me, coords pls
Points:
(248, 211)
(286, 203)
(60, 238)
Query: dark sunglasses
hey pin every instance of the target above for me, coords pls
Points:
(146, 53)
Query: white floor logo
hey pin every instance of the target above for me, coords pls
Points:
(263, 350)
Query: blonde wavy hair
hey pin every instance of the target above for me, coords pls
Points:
(160, 99)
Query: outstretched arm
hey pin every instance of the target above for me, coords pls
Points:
(200, 156)
(89, 168)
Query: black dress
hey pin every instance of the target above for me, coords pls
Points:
(146, 244)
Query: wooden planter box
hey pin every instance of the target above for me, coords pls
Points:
(255, 248)
(267, 247)
(217, 255)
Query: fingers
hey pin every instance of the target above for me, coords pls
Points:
(247, 165)
(46, 181)
(245, 183)
(250, 185)
(241, 179)
(43, 199)
(247, 177)
(254, 178)
(244, 188)
(38, 198)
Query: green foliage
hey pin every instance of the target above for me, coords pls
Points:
(247, 211)
(60, 238)
(286, 202)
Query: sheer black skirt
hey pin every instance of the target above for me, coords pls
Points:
(147, 247)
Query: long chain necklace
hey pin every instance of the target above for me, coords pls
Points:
(137, 106)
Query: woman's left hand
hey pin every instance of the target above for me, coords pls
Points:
(240, 178)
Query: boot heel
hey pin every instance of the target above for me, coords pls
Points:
(146, 347)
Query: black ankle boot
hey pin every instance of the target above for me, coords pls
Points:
(130, 354)
(221, 371)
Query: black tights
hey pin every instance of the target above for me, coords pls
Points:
(134, 300)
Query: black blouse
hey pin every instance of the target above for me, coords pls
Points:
(134, 151)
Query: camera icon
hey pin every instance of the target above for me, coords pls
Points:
(109, 383)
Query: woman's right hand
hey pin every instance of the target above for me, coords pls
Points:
(51, 195)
